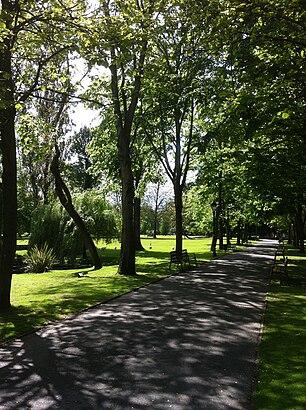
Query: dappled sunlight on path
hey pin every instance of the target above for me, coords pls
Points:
(186, 342)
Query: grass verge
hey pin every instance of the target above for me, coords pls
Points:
(40, 298)
(281, 380)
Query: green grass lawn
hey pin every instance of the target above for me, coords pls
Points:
(282, 357)
(40, 298)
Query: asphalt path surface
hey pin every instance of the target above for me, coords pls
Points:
(188, 342)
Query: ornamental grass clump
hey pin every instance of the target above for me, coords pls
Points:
(40, 260)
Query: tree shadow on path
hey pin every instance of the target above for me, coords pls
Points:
(186, 342)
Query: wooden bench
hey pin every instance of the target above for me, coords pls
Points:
(230, 247)
(280, 267)
(190, 257)
(182, 260)
(280, 252)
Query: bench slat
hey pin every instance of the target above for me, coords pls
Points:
(182, 260)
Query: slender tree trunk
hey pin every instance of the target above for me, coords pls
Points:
(290, 234)
(137, 209)
(178, 200)
(137, 222)
(215, 232)
(239, 232)
(295, 235)
(9, 168)
(88, 180)
(66, 200)
(300, 227)
(221, 231)
(228, 229)
(156, 211)
(155, 225)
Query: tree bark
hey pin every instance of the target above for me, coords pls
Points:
(221, 231)
(124, 121)
(9, 168)
(137, 222)
(156, 211)
(127, 265)
(300, 227)
(239, 232)
(9, 204)
(215, 232)
(290, 234)
(178, 217)
(137, 209)
(66, 200)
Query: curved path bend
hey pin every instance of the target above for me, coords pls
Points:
(188, 342)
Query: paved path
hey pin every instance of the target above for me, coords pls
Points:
(185, 343)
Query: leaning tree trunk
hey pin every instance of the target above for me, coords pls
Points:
(66, 200)
(9, 168)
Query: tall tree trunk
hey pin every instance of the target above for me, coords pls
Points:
(156, 210)
(127, 265)
(9, 204)
(221, 231)
(178, 200)
(9, 168)
(137, 209)
(124, 121)
(290, 234)
(88, 180)
(295, 234)
(66, 200)
(228, 229)
(215, 232)
(137, 222)
(245, 234)
(239, 232)
(300, 227)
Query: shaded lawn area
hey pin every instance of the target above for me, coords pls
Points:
(40, 298)
(282, 356)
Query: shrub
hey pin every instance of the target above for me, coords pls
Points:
(52, 225)
(39, 260)
(47, 227)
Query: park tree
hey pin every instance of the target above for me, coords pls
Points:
(155, 198)
(9, 11)
(120, 42)
(125, 36)
(80, 175)
(270, 56)
(103, 152)
(172, 98)
(31, 36)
